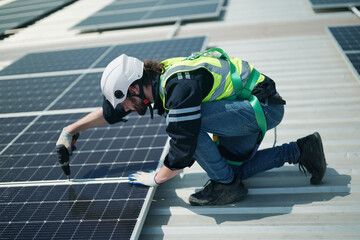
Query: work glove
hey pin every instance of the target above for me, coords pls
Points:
(143, 178)
(65, 139)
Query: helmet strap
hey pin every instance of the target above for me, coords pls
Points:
(144, 99)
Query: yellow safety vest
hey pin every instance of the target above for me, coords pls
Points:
(233, 79)
(218, 67)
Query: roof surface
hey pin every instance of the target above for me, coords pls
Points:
(288, 41)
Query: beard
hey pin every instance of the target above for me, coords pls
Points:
(139, 106)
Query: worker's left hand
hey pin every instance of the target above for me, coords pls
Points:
(143, 178)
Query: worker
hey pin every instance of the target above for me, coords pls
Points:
(198, 97)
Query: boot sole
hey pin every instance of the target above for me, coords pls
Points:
(216, 202)
(323, 160)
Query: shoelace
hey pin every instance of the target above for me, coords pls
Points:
(302, 169)
(208, 185)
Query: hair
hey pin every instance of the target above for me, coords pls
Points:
(151, 70)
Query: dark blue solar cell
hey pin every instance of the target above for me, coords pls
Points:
(106, 191)
(42, 211)
(348, 37)
(85, 230)
(41, 193)
(66, 230)
(48, 230)
(114, 209)
(29, 231)
(24, 194)
(11, 230)
(123, 229)
(57, 193)
(7, 194)
(85, 94)
(9, 212)
(131, 209)
(10, 127)
(93, 213)
(26, 212)
(105, 229)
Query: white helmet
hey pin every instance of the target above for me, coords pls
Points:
(117, 77)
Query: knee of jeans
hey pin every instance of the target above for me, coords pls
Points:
(274, 115)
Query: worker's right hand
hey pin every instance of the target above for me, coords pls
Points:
(65, 139)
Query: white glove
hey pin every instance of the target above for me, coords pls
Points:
(65, 139)
(143, 178)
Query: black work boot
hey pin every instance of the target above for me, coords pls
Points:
(312, 157)
(215, 193)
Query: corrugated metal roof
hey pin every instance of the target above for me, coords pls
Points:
(286, 40)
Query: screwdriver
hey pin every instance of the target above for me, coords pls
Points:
(64, 156)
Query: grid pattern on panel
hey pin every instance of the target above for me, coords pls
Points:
(110, 151)
(86, 211)
(31, 94)
(86, 93)
(21, 12)
(55, 61)
(325, 4)
(348, 37)
(348, 41)
(10, 128)
(146, 12)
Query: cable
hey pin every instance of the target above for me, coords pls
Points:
(275, 136)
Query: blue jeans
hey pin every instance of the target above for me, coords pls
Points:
(235, 124)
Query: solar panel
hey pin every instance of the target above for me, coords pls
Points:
(55, 61)
(87, 211)
(120, 14)
(10, 128)
(347, 39)
(354, 58)
(32, 94)
(100, 152)
(328, 4)
(19, 13)
(53, 70)
(36, 200)
(80, 59)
